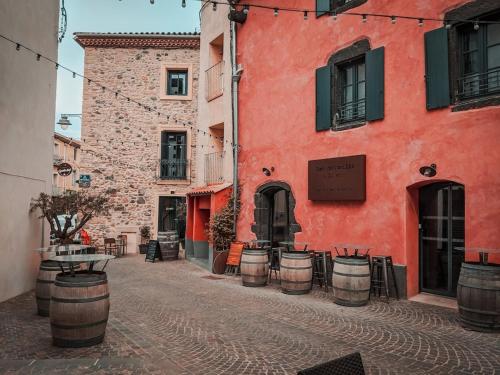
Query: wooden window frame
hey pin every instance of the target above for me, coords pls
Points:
(165, 68)
(175, 129)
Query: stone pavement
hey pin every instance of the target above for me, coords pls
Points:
(169, 318)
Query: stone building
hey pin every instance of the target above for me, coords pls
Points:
(66, 150)
(145, 159)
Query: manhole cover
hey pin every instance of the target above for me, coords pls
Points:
(210, 277)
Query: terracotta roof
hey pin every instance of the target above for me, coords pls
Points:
(139, 40)
(73, 142)
(211, 189)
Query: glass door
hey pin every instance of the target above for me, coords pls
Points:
(442, 222)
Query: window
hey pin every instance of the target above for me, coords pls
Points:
(479, 60)
(336, 6)
(177, 82)
(173, 164)
(75, 153)
(352, 88)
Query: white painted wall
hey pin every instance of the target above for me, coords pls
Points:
(27, 111)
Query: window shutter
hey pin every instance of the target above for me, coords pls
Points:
(374, 60)
(323, 98)
(322, 7)
(437, 81)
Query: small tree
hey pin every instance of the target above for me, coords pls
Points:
(220, 229)
(145, 231)
(80, 204)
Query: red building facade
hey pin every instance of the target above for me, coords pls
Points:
(419, 100)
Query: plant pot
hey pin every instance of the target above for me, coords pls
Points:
(219, 264)
(143, 248)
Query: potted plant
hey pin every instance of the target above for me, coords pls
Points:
(68, 212)
(145, 231)
(221, 233)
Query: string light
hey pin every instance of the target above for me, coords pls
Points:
(18, 47)
(246, 9)
(305, 15)
(275, 12)
(183, 3)
(74, 75)
(420, 22)
(38, 57)
(364, 19)
(393, 19)
(214, 6)
(447, 25)
(334, 15)
(476, 26)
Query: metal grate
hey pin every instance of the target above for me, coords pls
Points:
(171, 169)
(349, 112)
(479, 84)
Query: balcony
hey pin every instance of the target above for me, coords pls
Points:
(214, 79)
(479, 84)
(214, 163)
(350, 112)
(172, 169)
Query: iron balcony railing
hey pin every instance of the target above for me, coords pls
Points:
(214, 168)
(349, 112)
(214, 81)
(172, 169)
(479, 84)
(58, 159)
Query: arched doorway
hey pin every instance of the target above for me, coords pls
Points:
(442, 235)
(274, 213)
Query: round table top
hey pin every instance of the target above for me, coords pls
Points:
(289, 243)
(56, 248)
(81, 258)
(351, 246)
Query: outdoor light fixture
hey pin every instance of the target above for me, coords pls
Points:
(238, 16)
(183, 3)
(267, 172)
(428, 170)
(64, 122)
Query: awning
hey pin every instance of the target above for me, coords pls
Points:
(211, 189)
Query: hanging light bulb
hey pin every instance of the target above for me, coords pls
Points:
(334, 16)
(214, 6)
(275, 12)
(18, 47)
(447, 25)
(305, 15)
(476, 26)
(38, 57)
(364, 19)
(183, 3)
(420, 22)
(74, 75)
(393, 19)
(246, 9)
(152, 1)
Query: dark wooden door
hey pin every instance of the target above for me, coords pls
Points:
(442, 227)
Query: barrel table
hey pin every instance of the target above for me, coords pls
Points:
(296, 272)
(79, 305)
(351, 281)
(48, 271)
(169, 245)
(254, 267)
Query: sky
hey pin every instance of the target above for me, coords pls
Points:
(111, 16)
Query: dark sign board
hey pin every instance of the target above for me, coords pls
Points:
(153, 251)
(64, 169)
(84, 180)
(337, 179)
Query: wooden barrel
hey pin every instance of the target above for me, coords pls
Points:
(254, 267)
(79, 309)
(169, 250)
(296, 272)
(351, 281)
(478, 297)
(45, 283)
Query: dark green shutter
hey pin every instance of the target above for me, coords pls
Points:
(322, 7)
(375, 84)
(437, 81)
(323, 98)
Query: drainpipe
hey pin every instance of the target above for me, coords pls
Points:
(236, 75)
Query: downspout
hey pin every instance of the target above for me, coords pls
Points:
(236, 74)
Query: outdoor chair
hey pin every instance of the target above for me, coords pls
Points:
(110, 246)
(349, 365)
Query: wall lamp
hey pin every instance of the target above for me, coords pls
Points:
(428, 170)
(64, 122)
(267, 172)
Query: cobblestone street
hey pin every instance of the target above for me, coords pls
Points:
(170, 318)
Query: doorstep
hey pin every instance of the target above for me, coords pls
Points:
(432, 299)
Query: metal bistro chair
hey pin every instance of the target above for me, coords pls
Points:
(380, 267)
(274, 262)
(123, 243)
(322, 267)
(110, 246)
(351, 364)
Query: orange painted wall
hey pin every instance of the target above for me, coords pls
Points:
(277, 128)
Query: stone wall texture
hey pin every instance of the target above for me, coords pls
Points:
(121, 140)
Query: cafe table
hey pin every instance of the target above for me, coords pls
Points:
(79, 305)
(292, 245)
(355, 249)
(260, 243)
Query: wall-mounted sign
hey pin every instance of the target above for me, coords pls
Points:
(64, 169)
(337, 179)
(84, 181)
